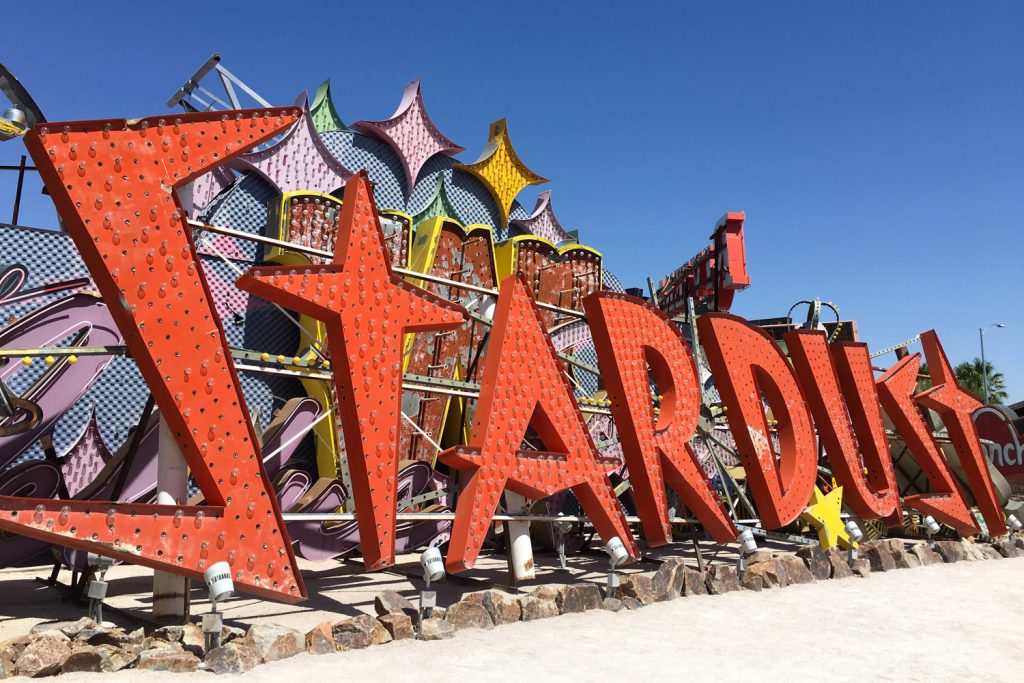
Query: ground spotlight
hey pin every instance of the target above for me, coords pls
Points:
(931, 528)
(1014, 523)
(97, 590)
(855, 534)
(433, 570)
(617, 554)
(748, 544)
(220, 587)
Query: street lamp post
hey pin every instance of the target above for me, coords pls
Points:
(984, 365)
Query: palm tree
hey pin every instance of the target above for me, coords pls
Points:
(971, 376)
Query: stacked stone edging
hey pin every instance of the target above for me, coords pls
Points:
(55, 648)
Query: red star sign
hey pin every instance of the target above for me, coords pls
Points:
(366, 310)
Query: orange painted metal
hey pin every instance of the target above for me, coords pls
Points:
(366, 309)
(956, 408)
(523, 386)
(113, 184)
(747, 364)
(840, 388)
(633, 339)
(946, 503)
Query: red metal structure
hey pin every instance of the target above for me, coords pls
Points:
(524, 386)
(840, 388)
(633, 339)
(367, 310)
(748, 364)
(113, 183)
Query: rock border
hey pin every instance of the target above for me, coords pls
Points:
(63, 647)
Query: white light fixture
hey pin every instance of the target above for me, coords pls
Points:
(97, 589)
(855, 534)
(617, 554)
(433, 565)
(433, 570)
(748, 544)
(747, 541)
(932, 525)
(1014, 523)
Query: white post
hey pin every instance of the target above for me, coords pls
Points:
(521, 552)
(170, 591)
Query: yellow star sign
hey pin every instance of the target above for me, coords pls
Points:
(823, 514)
(501, 171)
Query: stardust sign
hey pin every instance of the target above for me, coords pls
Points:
(113, 183)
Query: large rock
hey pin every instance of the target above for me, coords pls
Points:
(796, 570)
(393, 602)
(69, 628)
(399, 625)
(534, 608)
(117, 637)
(667, 582)
(438, 629)
(838, 561)
(816, 560)
(45, 655)
(989, 551)
(630, 603)
(722, 578)
(898, 550)
(352, 633)
(612, 605)
(113, 658)
(1006, 548)
(467, 614)
(949, 551)
(907, 560)
(579, 597)
(925, 555)
(879, 555)
(502, 607)
(861, 567)
(972, 551)
(273, 642)
(320, 639)
(167, 659)
(760, 555)
(83, 658)
(694, 582)
(771, 573)
(637, 586)
(234, 658)
(752, 582)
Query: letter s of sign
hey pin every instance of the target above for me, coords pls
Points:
(747, 363)
(630, 337)
(113, 184)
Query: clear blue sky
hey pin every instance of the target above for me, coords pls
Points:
(876, 147)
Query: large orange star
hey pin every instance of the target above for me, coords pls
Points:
(366, 310)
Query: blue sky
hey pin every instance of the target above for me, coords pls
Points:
(876, 147)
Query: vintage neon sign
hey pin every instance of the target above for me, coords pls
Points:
(113, 183)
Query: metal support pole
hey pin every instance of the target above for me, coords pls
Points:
(519, 544)
(984, 367)
(17, 191)
(170, 591)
